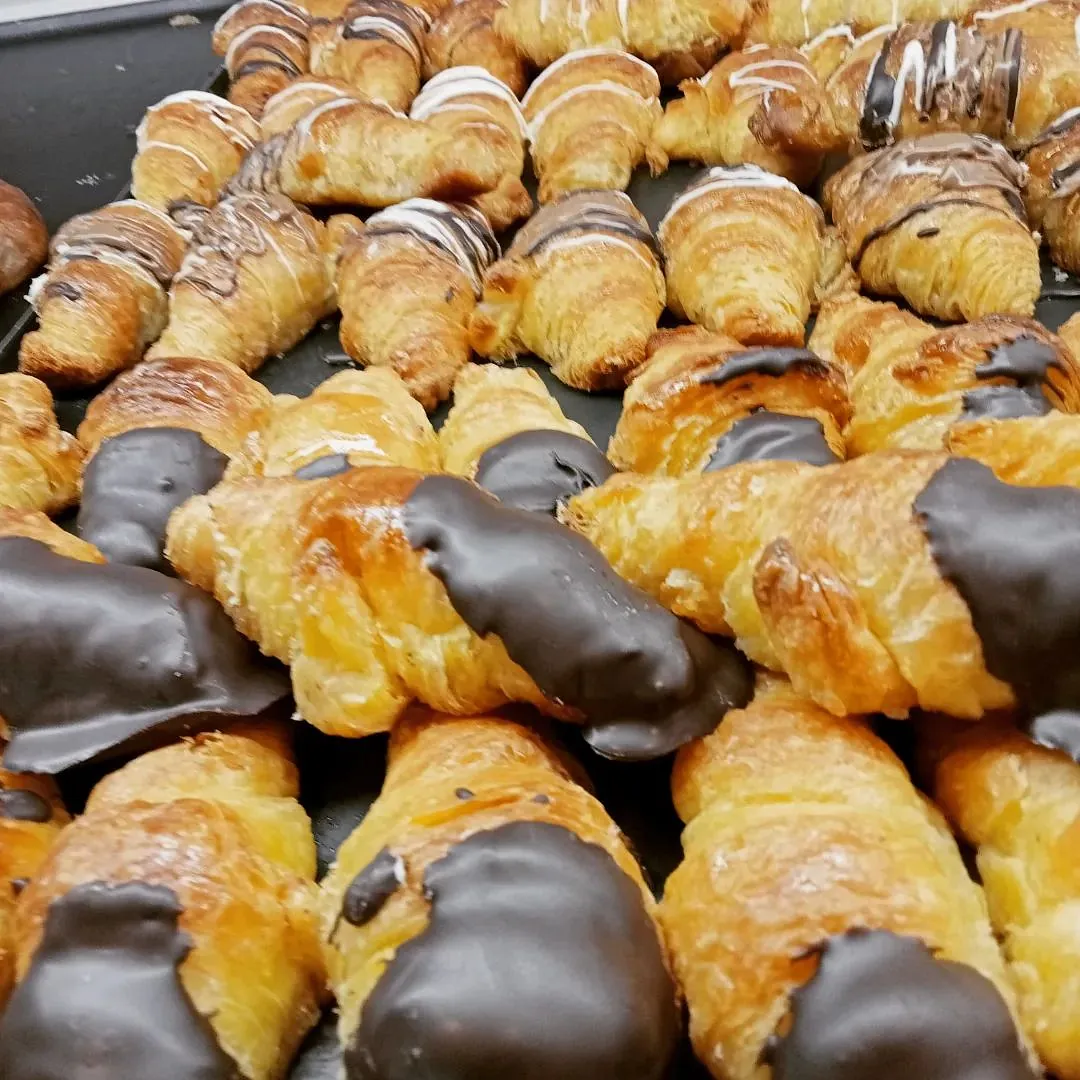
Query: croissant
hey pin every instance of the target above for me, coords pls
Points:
(580, 286)
(939, 221)
(189, 145)
(1053, 163)
(465, 98)
(591, 115)
(463, 35)
(702, 401)
(24, 240)
(381, 585)
(265, 46)
(407, 284)
(911, 385)
(822, 922)
(103, 298)
(892, 580)
(1017, 804)
(297, 99)
(349, 151)
(176, 915)
(34, 525)
(480, 831)
(374, 46)
(506, 432)
(40, 465)
(257, 277)
(747, 254)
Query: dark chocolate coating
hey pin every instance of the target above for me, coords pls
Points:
(1004, 402)
(766, 360)
(1025, 360)
(882, 1007)
(769, 436)
(320, 468)
(103, 659)
(17, 804)
(539, 962)
(539, 470)
(134, 482)
(372, 887)
(646, 682)
(103, 996)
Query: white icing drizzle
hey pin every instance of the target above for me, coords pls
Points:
(177, 149)
(843, 31)
(231, 120)
(804, 7)
(603, 87)
(244, 35)
(290, 11)
(302, 128)
(1012, 9)
(878, 31)
(1076, 33)
(303, 86)
(543, 12)
(388, 29)
(581, 54)
(66, 252)
(758, 85)
(146, 208)
(584, 14)
(442, 91)
(623, 8)
(587, 239)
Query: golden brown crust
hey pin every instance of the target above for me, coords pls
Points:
(24, 240)
(1042, 451)
(672, 415)
(34, 525)
(463, 35)
(40, 465)
(297, 99)
(216, 820)
(1052, 192)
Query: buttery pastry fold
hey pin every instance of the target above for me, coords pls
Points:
(940, 221)
(257, 277)
(1053, 189)
(40, 465)
(580, 286)
(480, 817)
(407, 285)
(297, 99)
(188, 147)
(819, 896)
(104, 296)
(194, 864)
(463, 35)
(702, 401)
(591, 116)
(748, 255)
(24, 240)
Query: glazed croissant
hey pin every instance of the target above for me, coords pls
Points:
(580, 286)
(407, 285)
(939, 221)
(469, 98)
(912, 385)
(747, 254)
(506, 432)
(381, 585)
(40, 465)
(104, 295)
(591, 115)
(265, 45)
(890, 581)
(257, 277)
(1053, 163)
(24, 240)
(177, 915)
(463, 35)
(480, 860)
(1018, 805)
(702, 401)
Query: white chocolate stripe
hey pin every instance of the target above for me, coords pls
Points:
(582, 54)
(460, 82)
(604, 87)
(738, 176)
(242, 38)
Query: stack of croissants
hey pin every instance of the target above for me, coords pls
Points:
(831, 577)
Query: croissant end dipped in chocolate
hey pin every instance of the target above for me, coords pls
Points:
(24, 240)
(463, 35)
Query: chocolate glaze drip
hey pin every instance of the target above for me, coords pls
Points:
(63, 289)
(587, 638)
(372, 887)
(769, 436)
(540, 470)
(1003, 85)
(766, 360)
(882, 1007)
(102, 659)
(128, 231)
(1061, 126)
(280, 60)
(1026, 360)
(134, 482)
(259, 172)
(874, 127)
(582, 212)
(1004, 403)
(411, 21)
(539, 961)
(320, 468)
(18, 804)
(103, 995)
(1060, 179)
(1013, 554)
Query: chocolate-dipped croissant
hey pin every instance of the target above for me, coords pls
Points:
(463, 35)
(104, 295)
(822, 922)
(940, 221)
(40, 465)
(483, 860)
(24, 240)
(702, 402)
(407, 285)
(177, 917)
(591, 116)
(1053, 189)
(265, 45)
(381, 585)
(257, 277)
(912, 384)
(580, 286)
(747, 254)
(892, 580)
(188, 146)
(506, 432)
(464, 98)
(1018, 805)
